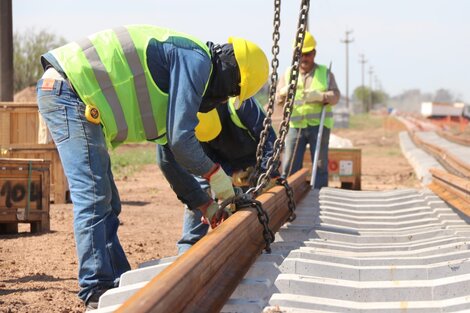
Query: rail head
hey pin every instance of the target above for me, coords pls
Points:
(453, 189)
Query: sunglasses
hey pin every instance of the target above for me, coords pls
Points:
(308, 54)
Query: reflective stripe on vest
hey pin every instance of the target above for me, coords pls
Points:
(311, 117)
(309, 114)
(106, 86)
(109, 70)
(140, 83)
(233, 114)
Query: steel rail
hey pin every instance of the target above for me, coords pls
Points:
(452, 189)
(456, 139)
(449, 161)
(203, 278)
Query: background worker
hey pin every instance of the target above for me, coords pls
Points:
(230, 138)
(131, 84)
(316, 87)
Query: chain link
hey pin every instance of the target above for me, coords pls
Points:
(263, 218)
(290, 198)
(245, 200)
(263, 178)
(272, 90)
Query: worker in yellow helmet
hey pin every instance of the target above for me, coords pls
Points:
(230, 138)
(316, 87)
(131, 84)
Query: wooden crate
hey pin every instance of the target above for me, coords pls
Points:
(344, 167)
(24, 194)
(19, 123)
(59, 187)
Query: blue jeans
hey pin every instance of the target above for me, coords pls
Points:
(96, 204)
(296, 143)
(193, 230)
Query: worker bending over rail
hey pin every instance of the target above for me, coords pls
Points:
(132, 84)
(230, 137)
(316, 87)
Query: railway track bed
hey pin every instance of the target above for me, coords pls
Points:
(351, 251)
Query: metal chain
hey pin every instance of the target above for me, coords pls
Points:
(263, 218)
(290, 198)
(244, 200)
(272, 90)
(263, 179)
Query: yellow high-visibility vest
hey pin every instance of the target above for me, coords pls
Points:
(109, 71)
(309, 114)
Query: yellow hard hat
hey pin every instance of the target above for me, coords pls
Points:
(209, 126)
(309, 43)
(253, 65)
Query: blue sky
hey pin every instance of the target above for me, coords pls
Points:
(409, 43)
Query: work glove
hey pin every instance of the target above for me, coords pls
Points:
(221, 184)
(214, 216)
(243, 178)
(313, 96)
(283, 91)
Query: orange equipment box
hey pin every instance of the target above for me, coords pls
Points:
(344, 166)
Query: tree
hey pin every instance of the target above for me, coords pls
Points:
(27, 50)
(379, 98)
(361, 96)
(443, 95)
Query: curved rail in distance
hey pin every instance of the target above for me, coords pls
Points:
(452, 189)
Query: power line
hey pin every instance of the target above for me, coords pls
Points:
(371, 71)
(347, 41)
(363, 61)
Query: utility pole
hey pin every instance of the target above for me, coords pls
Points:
(347, 41)
(6, 51)
(371, 71)
(363, 61)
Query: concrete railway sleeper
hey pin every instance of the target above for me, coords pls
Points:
(331, 258)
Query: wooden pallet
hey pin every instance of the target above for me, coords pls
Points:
(19, 131)
(19, 123)
(24, 194)
(59, 187)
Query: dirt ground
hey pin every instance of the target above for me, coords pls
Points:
(38, 271)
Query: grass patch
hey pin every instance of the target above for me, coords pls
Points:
(128, 159)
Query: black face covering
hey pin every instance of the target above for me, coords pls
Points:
(225, 78)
